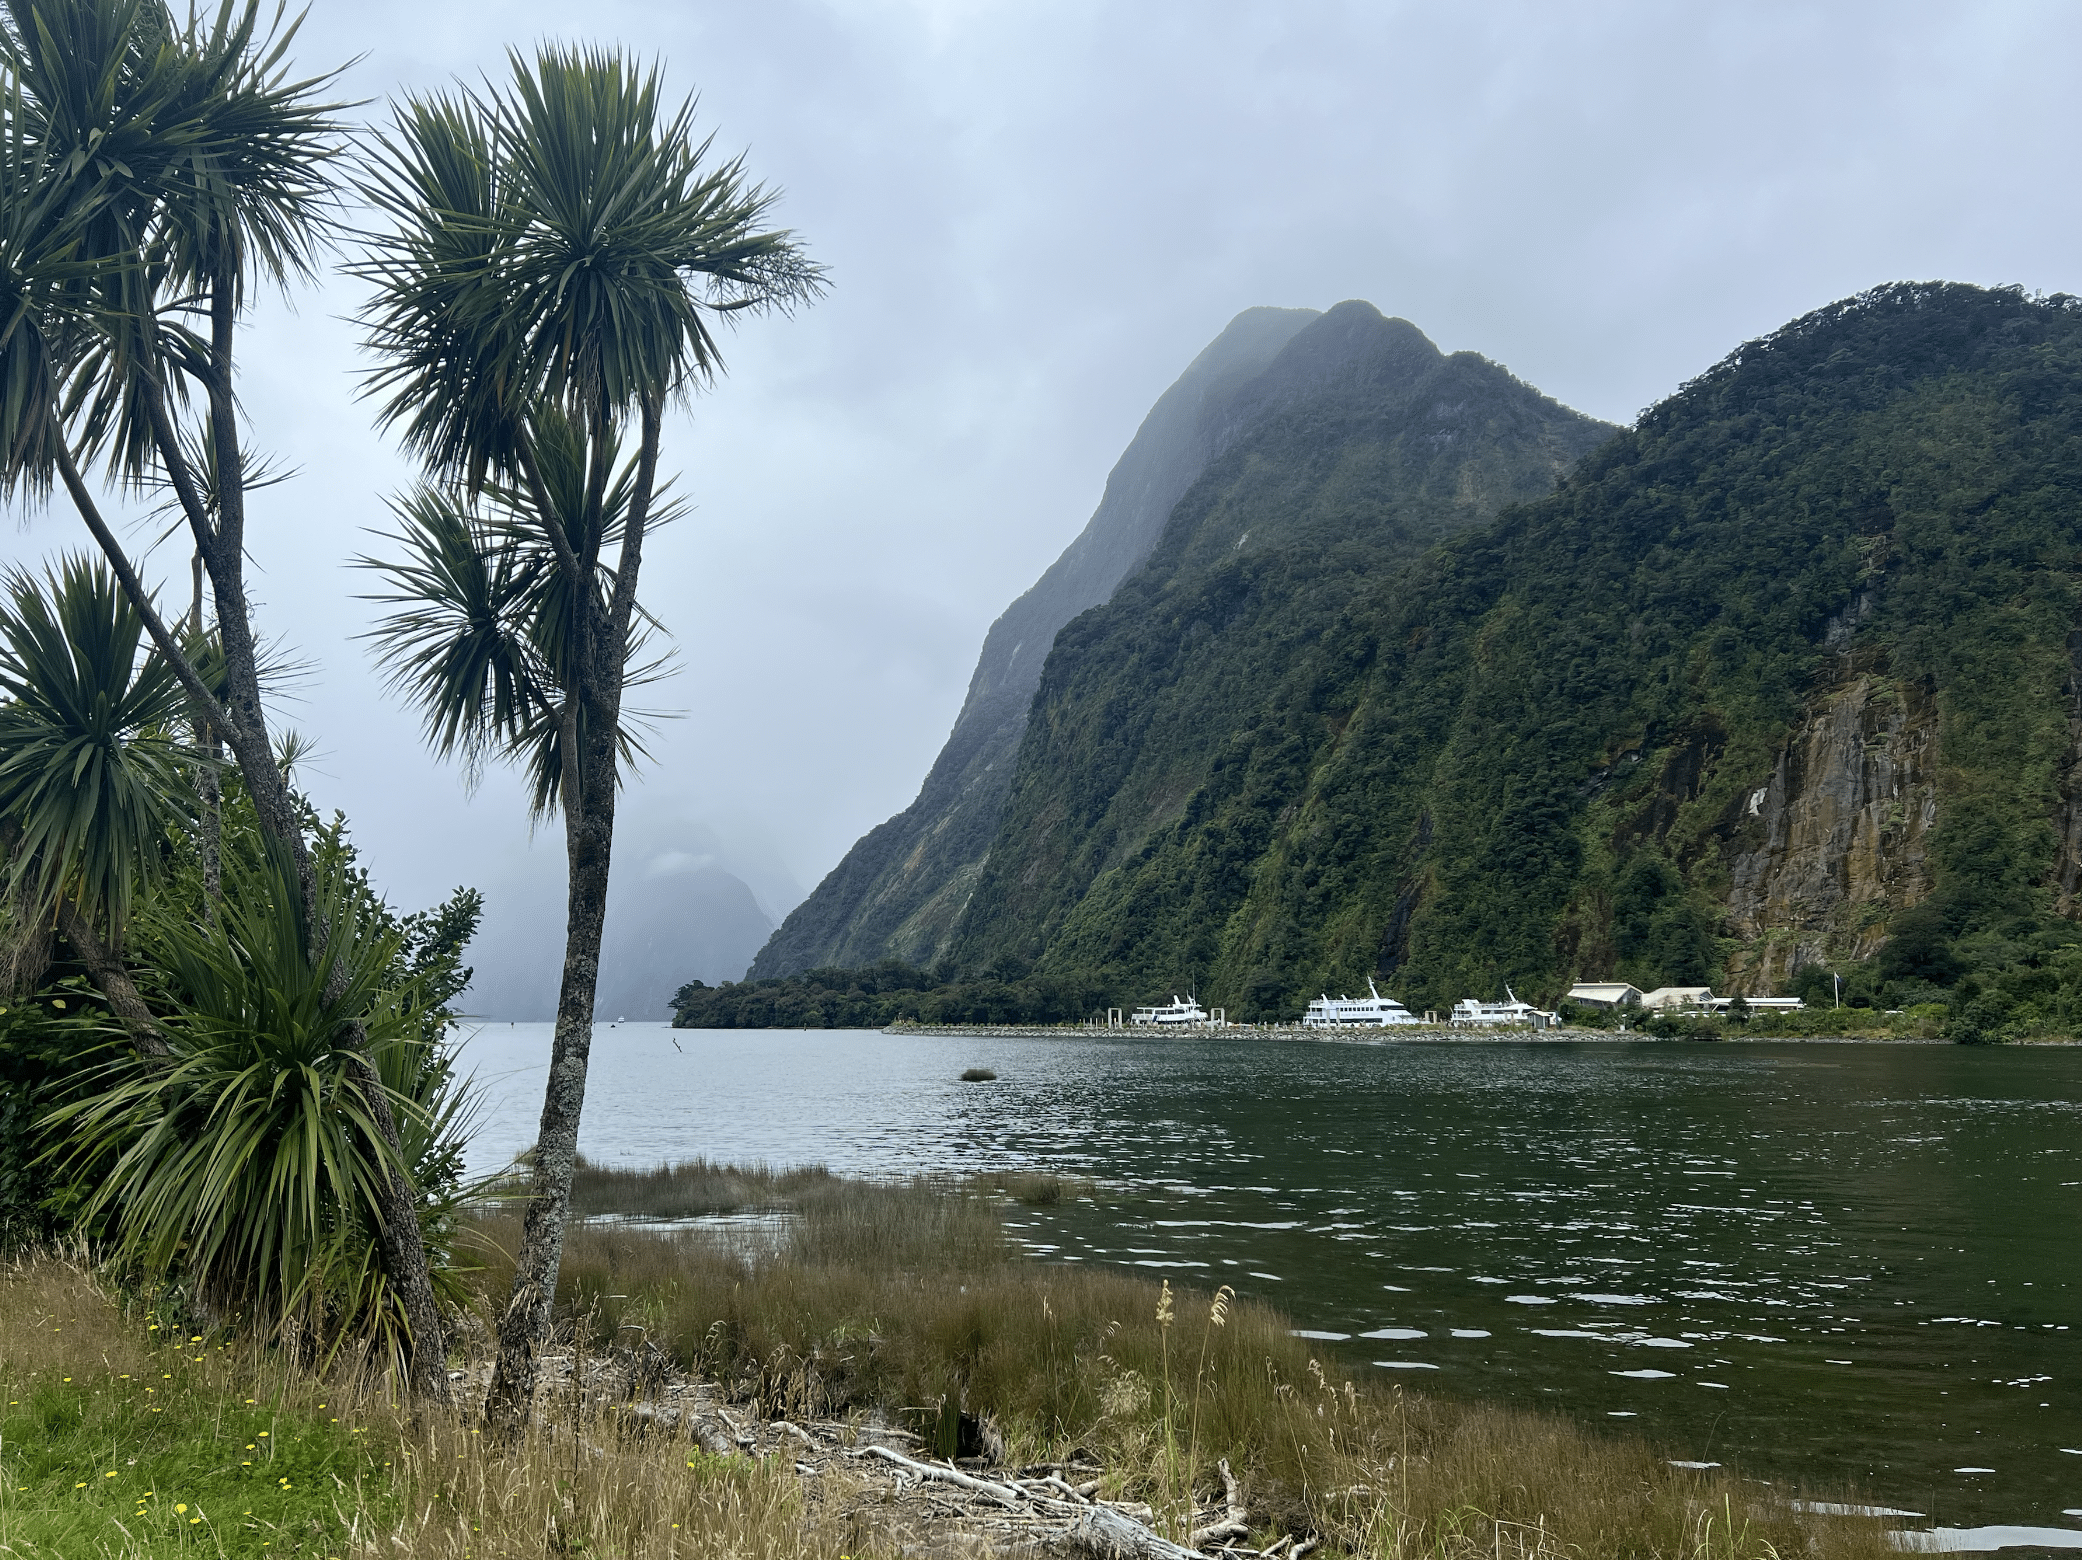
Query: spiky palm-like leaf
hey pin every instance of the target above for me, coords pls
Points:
(562, 240)
(248, 1166)
(185, 158)
(483, 641)
(42, 274)
(90, 774)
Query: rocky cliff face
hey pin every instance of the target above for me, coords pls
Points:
(1361, 447)
(1839, 838)
(900, 890)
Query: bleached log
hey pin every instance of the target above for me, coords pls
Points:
(1104, 1534)
(954, 1476)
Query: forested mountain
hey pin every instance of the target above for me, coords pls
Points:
(901, 888)
(1787, 673)
(1387, 443)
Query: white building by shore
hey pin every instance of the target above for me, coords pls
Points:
(1604, 994)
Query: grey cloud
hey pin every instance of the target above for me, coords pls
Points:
(1035, 217)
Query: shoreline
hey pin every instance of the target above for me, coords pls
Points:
(1402, 1035)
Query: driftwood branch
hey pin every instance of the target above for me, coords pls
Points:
(1233, 1524)
(1105, 1534)
(954, 1476)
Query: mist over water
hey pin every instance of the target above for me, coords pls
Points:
(1854, 1266)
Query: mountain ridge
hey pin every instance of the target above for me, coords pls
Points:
(1782, 679)
(903, 887)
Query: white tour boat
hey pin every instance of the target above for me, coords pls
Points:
(1176, 1012)
(1471, 1013)
(1372, 1011)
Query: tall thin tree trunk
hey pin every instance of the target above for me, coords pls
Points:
(25, 954)
(525, 1323)
(593, 717)
(244, 727)
(209, 785)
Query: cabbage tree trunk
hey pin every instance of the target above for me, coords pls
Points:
(589, 744)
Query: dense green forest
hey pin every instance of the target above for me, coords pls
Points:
(889, 992)
(1542, 752)
(1356, 441)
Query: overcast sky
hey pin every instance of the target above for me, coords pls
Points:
(1034, 216)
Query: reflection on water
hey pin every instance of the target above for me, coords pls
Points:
(1843, 1262)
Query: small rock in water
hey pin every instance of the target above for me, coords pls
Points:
(979, 1075)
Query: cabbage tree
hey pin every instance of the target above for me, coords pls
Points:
(92, 780)
(557, 254)
(155, 174)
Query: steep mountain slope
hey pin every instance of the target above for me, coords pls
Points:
(901, 887)
(1364, 446)
(1434, 444)
(1788, 672)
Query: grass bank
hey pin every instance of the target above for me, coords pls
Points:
(127, 1435)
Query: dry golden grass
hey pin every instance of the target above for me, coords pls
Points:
(588, 1487)
(906, 1299)
(899, 1299)
(687, 1189)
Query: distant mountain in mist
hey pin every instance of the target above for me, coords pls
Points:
(672, 916)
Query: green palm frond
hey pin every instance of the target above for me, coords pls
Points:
(459, 646)
(248, 1166)
(185, 157)
(484, 638)
(444, 341)
(89, 773)
(562, 240)
(43, 273)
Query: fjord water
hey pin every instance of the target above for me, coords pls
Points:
(1854, 1266)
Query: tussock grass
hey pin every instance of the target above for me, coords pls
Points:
(688, 1189)
(901, 1299)
(907, 1299)
(589, 1487)
(1034, 1188)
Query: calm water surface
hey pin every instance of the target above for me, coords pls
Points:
(1841, 1263)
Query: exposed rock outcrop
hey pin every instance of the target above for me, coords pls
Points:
(1838, 838)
